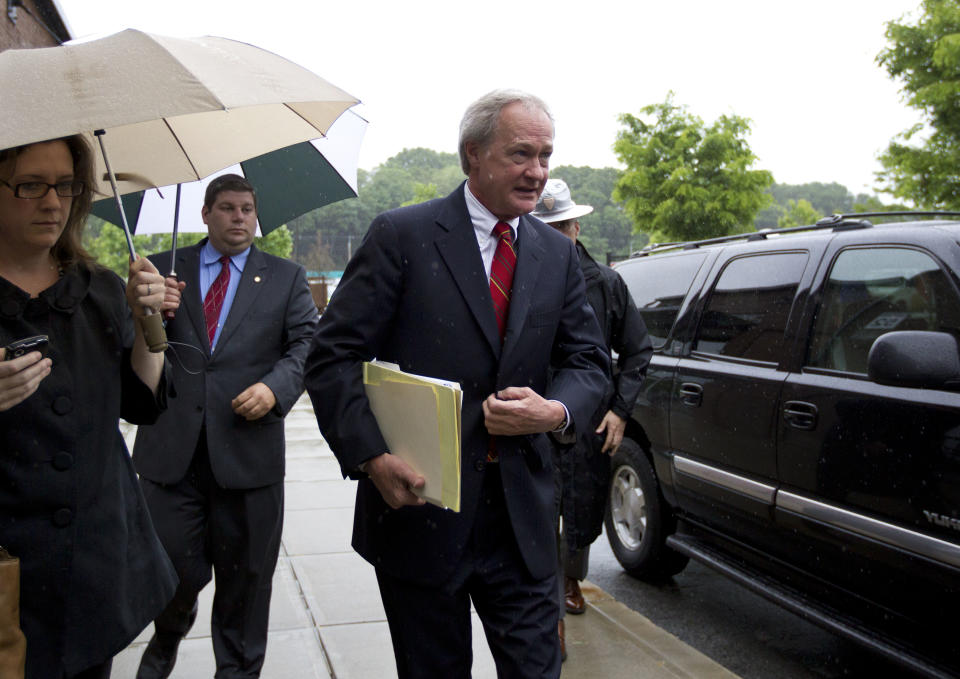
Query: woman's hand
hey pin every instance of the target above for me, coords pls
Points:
(146, 288)
(20, 377)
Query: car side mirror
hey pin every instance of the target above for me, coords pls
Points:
(915, 358)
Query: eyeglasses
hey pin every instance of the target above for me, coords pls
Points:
(34, 190)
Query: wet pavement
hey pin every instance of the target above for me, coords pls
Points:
(326, 619)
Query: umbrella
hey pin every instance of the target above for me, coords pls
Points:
(173, 109)
(289, 181)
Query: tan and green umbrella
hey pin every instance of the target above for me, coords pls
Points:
(163, 110)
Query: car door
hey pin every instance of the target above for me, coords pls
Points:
(723, 413)
(871, 473)
(659, 286)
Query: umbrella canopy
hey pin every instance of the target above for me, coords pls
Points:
(290, 182)
(174, 109)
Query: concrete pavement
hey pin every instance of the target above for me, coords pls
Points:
(326, 620)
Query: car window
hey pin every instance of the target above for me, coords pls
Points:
(871, 291)
(747, 311)
(658, 286)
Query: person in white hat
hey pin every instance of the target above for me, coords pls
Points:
(584, 470)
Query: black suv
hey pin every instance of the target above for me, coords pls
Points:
(799, 427)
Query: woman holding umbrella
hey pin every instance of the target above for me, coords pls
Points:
(93, 573)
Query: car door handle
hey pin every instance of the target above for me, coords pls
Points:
(800, 414)
(691, 394)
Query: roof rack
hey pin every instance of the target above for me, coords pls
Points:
(835, 222)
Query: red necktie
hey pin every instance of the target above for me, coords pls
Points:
(501, 282)
(501, 274)
(213, 302)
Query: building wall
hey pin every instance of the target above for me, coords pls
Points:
(28, 28)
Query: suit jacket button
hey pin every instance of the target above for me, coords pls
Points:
(62, 405)
(62, 517)
(479, 465)
(62, 461)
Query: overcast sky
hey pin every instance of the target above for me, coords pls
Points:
(805, 73)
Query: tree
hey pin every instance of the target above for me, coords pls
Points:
(608, 229)
(422, 193)
(685, 180)
(925, 57)
(799, 213)
(109, 245)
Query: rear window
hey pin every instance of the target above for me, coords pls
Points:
(658, 286)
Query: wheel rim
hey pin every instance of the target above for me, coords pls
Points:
(628, 507)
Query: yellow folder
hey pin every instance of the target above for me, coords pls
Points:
(419, 418)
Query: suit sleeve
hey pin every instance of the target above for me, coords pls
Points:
(580, 361)
(351, 331)
(633, 347)
(285, 378)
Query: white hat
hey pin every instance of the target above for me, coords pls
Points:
(555, 204)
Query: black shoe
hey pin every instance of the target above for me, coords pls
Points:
(159, 657)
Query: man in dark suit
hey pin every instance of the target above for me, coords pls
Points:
(470, 289)
(212, 466)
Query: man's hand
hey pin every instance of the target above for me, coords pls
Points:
(614, 425)
(520, 410)
(396, 480)
(20, 377)
(171, 298)
(254, 402)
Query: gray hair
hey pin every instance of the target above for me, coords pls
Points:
(479, 123)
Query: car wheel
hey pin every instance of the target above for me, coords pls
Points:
(637, 520)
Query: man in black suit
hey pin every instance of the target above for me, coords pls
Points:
(212, 466)
(466, 288)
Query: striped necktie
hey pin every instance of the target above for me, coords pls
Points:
(501, 274)
(501, 282)
(213, 302)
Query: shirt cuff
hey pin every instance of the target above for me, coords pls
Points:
(562, 429)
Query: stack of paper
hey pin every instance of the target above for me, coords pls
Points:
(419, 418)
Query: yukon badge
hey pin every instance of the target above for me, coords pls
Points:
(941, 520)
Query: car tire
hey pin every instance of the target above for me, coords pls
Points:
(637, 520)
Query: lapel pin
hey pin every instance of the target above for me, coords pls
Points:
(256, 279)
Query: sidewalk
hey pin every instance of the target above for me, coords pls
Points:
(326, 620)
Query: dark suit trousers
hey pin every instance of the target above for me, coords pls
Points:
(237, 534)
(430, 627)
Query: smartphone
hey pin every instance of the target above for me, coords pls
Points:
(26, 345)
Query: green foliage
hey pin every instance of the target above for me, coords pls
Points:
(799, 213)
(685, 180)
(107, 243)
(607, 230)
(109, 247)
(920, 164)
(824, 199)
(423, 192)
(278, 242)
(324, 239)
(872, 204)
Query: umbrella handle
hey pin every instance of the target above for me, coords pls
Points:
(169, 314)
(153, 332)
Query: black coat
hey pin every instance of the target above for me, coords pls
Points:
(93, 573)
(416, 294)
(585, 471)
